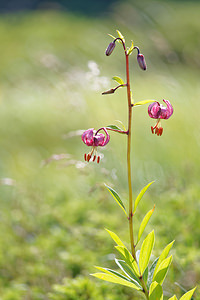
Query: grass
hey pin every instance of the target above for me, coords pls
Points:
(53, 215)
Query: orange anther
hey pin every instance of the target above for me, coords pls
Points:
(94, 157)
(156, 130)
(88, 157)
(160, 131)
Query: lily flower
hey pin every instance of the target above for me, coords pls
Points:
(94, 139)
(158, 111)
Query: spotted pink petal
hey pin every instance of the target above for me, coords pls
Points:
(87, 137)
(158, 111)
(166, 112)
(100, 139)
(154, 110)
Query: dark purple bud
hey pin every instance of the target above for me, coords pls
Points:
(141, 61)
(110, 48)
(111, 91)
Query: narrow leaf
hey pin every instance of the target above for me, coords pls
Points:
(162, 270)
(120, 35)
(118, 79)
(163, 256)
(144, 102)
(173, 298)
(129, 51)
(115, 279)
(111, 36)
(151, 271)
(112, 272)
(115, 127)
(144, 223)
(145, 275)
(132, 100)
(121, 124)
(128, 259)
(139, 197)
(115, 238)
(188, 295)
(155, 292)
(145, 252)
(117, 198)
(127, 271)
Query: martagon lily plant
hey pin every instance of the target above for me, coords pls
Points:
(135, 267)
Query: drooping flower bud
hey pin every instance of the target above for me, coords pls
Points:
(110, 48)
(111, 91)
(141, 61)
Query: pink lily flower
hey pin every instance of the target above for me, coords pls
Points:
(158, 111)
(95, 139)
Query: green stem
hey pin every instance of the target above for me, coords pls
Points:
(145, 291)
(130, 216)
(129, 158)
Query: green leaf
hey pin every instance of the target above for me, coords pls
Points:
(132, 100)
(112, 36)
(120, 36)
(118, 80)
(173, 298)
(128, 259)
(112, 272)
(127, 271)
(188, 295)
(115, 238)
(121, 124)
(151, 271)
(115, 279)
(115, 127)
(145, 275)
(145, 252)
(159, 276)
(117, 198)
(139, 197)
(144, 102)
(129, 51)
(155, 292)
(163, 256)
(144, 223)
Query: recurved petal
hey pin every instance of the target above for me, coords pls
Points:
(166, 112)
(87, 137)
(154, 110)
(100, 139)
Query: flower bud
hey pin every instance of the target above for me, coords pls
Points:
(111, 91)
(141, 61)
(110, 48)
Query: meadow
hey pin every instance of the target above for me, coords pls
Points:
(53, 206)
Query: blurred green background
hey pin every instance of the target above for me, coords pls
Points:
(53, 206)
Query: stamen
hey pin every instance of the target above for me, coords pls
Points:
(88, 157)
(156, 130)
(98, 159)
(94, 157)
(152, 129)
(85, 157)
(160, 131)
